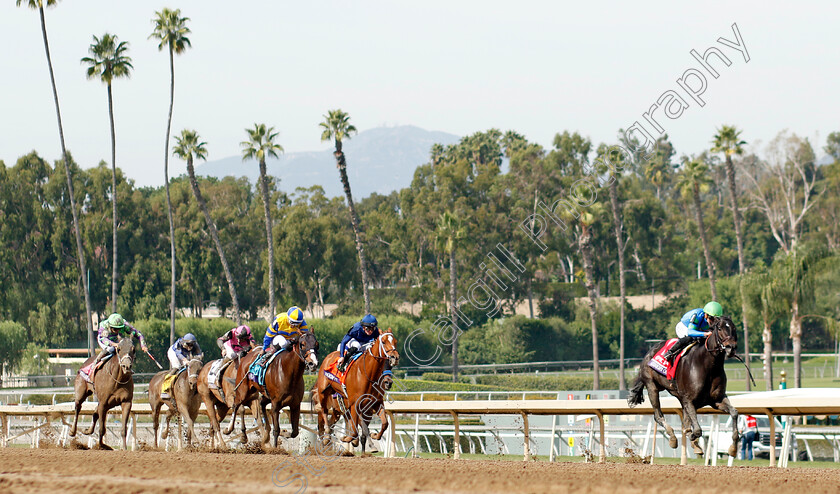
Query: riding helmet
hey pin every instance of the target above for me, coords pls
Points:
(713, 309)
(116, 321)
(369, 321)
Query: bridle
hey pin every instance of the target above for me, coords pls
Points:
(720, 343)
(193, 376)
(297, 352)
(119, 364)
(383, 354)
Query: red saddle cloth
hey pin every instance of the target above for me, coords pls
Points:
(662, 366)
(333, 374)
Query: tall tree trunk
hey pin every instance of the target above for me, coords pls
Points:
(767, 337)
(586, 251)
(269, 237)
(113, 199)
(452, 315)
(354, 219)
(530, 297)
(211, 225)
(796, 339)
(80, 252)
(169, 199)
(706, 251)
(619, 229)
(742, 267)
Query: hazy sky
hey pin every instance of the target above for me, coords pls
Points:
(454, 66)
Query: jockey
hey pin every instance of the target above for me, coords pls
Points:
(235, 343)
(285, 327)
(110, 332)
(362, 333)
(185, 349)
(694, 324)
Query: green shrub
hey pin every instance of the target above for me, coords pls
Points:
(532, 382)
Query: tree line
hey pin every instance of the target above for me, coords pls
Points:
(763, 222)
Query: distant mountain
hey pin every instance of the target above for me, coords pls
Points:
(378, 160)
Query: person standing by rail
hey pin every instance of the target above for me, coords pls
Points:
(748, 427)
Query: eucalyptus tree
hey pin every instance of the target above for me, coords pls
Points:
(171, 30)
(189, 147)
(337, 127)
(259, 145)
(692, 181)
(39, 5)
(108, 61)
(448, 234)
(728, 141)
(761, 291)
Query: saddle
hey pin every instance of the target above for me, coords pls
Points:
(216, 370)
(256, 372)
(661, 365)
(166, 387)
(89, 371)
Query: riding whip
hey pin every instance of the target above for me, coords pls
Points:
(748, 369)
(153, 359)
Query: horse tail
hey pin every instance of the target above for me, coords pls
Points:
(636, 396)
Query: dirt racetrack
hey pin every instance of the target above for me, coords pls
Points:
(76, 471)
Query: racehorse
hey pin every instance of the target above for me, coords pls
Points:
(113, 384)
(219, 401)
(699, 381)
(183, 399)
(361, 395)
(284, 383)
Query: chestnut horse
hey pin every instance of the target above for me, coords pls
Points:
(113, 384)
(183, 399)
(699, 381)
(219, 403)
(284, 383)
(362, 394)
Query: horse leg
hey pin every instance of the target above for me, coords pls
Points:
(189, 421)
(727, 407)
(275, 423)
(264, 421)
(384, 419)
(126, 415)
(103, 415)
(692, 425)
(294, 418)
(653, 396)
(81, 394)
(351, 433)
(232, 421)
(213, 415)
(244, 437)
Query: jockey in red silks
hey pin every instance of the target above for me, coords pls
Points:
(235, 343)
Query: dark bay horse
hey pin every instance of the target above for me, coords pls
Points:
(183, 399)
(699, 381)
(284, 383)
(363, 395)
(113, 384)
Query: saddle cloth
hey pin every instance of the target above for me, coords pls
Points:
(168, 380)
(662, 366)
(332, 373)
(256, 372)
(87, 372)
(213, 374)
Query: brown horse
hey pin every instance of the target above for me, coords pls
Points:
(183, 399)
(219, 403)
(114, 385)
(699, 381)
(362, 394)
(284, 383)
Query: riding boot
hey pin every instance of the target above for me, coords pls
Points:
(675, 350)
(348, 353)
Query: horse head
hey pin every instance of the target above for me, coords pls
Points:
(726, 335)
(193, 367)
(125, 352)
(308, 350)
(388, 347)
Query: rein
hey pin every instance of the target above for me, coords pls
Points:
(119, 362)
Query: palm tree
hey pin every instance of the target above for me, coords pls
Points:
(188, 147)
(171, 29)
(449, 233)
(761, 291)
(693, 180)
(337, 126)
(586, 222)
(728, 141)
(616, 163)
(39, 5)
(260, 144)
(108, 61)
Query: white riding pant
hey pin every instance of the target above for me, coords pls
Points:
(351, 344)
(682, 330)
(280, 341)
(174, 361)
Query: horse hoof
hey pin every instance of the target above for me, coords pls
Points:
(733, 451)
(346, 439)
(105, 447)
(672, 442)
(355, 442)
(376, 436)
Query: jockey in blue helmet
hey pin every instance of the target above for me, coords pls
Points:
(696, 323)
(361, 334)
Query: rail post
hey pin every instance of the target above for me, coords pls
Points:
(527, 432)
(602, 451)
(772, 438)
(457, 436)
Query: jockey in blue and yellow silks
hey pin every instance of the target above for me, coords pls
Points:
(285, 327)
(695, 323)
